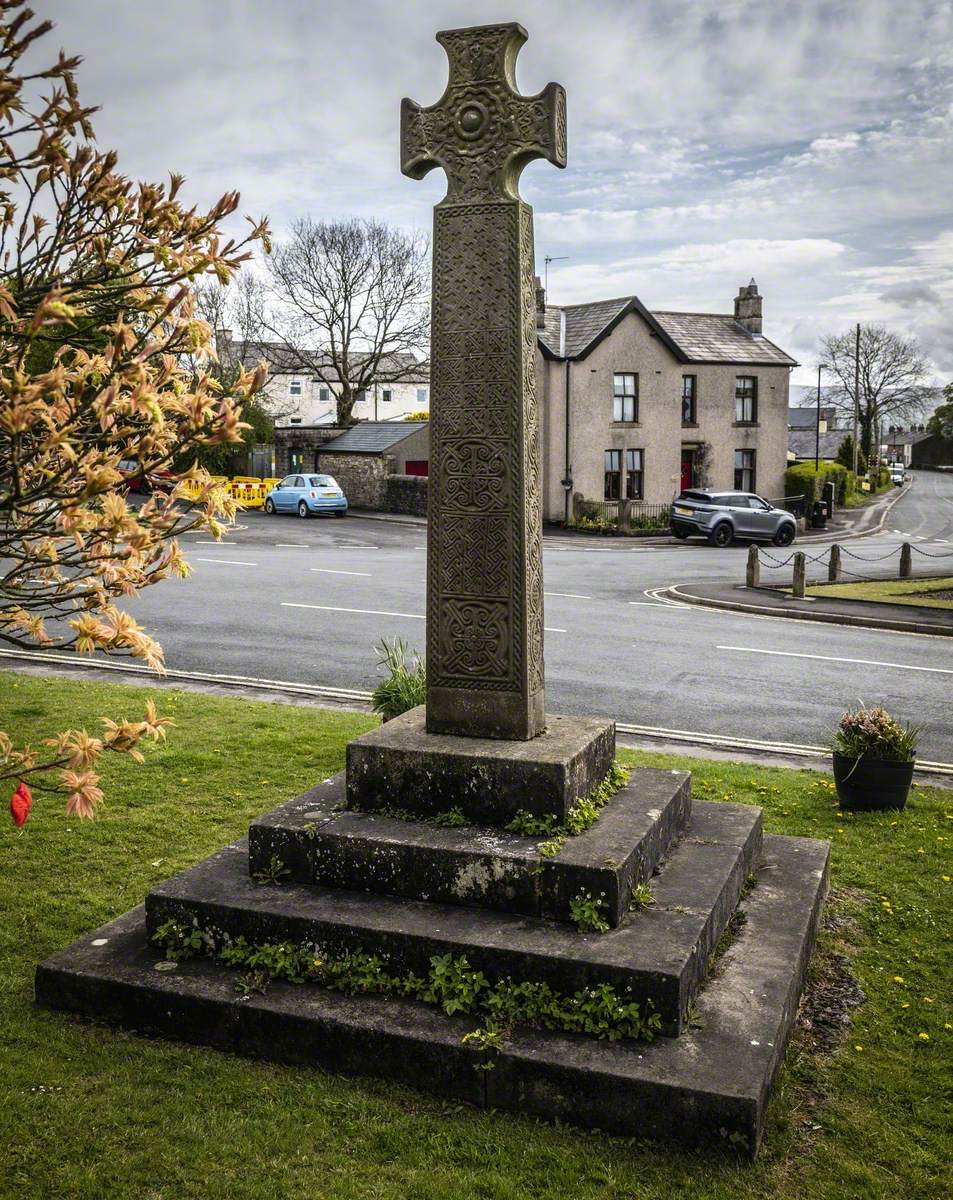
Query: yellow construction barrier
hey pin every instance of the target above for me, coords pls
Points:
(249, 490)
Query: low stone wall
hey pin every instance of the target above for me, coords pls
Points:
(360, 475)
(405, 494)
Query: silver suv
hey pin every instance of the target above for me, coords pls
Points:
(721, 516)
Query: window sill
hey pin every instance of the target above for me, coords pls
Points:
(628, 424)
(744, 424)
(689, 424)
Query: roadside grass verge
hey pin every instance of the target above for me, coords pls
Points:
(95, 1114)
(918, 592)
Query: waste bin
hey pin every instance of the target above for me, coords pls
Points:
(819, 515)
(828, 499)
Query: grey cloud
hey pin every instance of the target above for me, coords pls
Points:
(911, 294)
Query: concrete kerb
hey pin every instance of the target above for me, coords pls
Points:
(801, 612)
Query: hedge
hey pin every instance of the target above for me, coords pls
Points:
(803, 479)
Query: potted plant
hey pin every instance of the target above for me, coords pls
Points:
(873, 759)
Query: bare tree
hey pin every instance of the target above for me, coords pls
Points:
(891, 378)
(352, 299)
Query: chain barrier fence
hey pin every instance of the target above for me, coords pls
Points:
(799, 561)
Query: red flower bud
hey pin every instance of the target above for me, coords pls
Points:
(20, 803)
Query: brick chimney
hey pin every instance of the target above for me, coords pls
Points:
(540, 304)
(748, 308)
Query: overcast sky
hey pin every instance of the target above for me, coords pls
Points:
(808, 143)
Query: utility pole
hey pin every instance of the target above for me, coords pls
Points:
(817, 435)
(546, 261)
(856, 393)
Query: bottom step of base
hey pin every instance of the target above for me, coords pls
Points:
(709, 1084)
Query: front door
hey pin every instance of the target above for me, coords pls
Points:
(688, 469)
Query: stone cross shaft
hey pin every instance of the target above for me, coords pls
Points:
(484, 560)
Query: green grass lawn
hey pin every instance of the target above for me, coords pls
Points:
(90, 1113)
(890, 591)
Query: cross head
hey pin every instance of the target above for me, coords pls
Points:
(481, 131)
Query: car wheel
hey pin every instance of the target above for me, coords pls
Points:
(681, 534)
(341, 514)
(784, 536)
(269, 506)
(722, 534)
(302, 510)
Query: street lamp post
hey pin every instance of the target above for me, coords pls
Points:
(817, 433)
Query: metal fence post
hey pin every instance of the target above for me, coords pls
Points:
(799, 567)
(753, 572)
(833, 564)
(906, 561)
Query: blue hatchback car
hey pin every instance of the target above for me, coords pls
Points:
(306, 494)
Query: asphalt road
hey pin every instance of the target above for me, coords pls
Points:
(305, 601)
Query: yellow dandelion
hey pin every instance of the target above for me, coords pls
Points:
(945, 878)
(920, 850)
(905, 1004)
(924, 1037)
(858, 1048)
(947, 1025)
(927, 999)
(898, 979)
(317, 962)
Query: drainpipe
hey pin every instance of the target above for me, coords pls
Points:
(567, 478)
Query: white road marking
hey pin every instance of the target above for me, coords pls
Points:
(364, 612)
(292, 545)
(373, 612)
(865, 662)
(328, 571)
(658, 604)
(568, 595)
(231, 562)
(212, 542)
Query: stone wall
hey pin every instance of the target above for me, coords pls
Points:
(298, 449)
(360, 475)
(405, 494)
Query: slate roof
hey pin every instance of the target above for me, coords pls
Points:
(283, 359)
(692, 337)
(372, 437)
(802, 418)
(801, 442)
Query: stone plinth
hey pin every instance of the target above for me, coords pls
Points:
(401, 766)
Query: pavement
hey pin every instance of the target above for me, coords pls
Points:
(771, 601)
(846, 523)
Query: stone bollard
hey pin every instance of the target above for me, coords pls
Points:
(906, 561)
(833, 564)
(799, 567)
(753, 573)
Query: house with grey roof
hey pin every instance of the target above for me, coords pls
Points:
(638, 404)
(302, 390)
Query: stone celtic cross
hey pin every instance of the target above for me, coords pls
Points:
(484, 559)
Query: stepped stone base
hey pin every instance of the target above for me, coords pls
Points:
(400, 765)
(658, 956)
(711, 1083)
(319, 843)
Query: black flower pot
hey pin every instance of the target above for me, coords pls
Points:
(864, 784)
